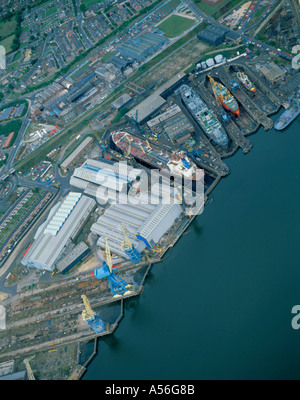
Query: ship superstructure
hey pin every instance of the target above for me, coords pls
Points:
(205, 117)
(223, 95)
(246, 81)
(153, 156)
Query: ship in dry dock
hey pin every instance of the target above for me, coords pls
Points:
(223, 95)
(243, 78)
(205, 117)
(155, 157)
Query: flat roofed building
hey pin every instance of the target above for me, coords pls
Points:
(146, 108)
(212, 34)
(272, 72)
(71, 259)
(146, 223)
(77, 153)
(117, 176)
(121, 101)
(171, 111)
(52, 236)
(140, 47)
(178, 128)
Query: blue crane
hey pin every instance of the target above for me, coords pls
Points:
(117, 285)
(91, 317)
(129, 248)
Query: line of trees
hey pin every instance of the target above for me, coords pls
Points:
(18, 30)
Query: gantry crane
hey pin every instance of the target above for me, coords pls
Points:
(91, 317)
(129, 248)
(117, 285)
(28, 368)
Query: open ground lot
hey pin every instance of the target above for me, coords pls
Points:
(177, 62)
(175, 25)
(6, 28)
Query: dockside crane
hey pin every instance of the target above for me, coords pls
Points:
(129, 248)
(117, 285)
(28, 369)
(91, 317)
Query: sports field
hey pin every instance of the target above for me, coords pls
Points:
(175, 25)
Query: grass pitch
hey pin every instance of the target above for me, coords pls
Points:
(175, 25)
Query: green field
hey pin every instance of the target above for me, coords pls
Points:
(12, 126)
(7, 28)
(88, 3)
(175, 25)
(7, 43)
(50, 11)
(226, 5)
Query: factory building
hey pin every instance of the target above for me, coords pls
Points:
(64, 222)
(117, 176)
(233, 37)
(73, 257)
(121, 62)
(174, 123)
(178, 128)
(272, 72)
(108, 72)
(77, 153)
(143, 46)
(121, 101)
(145, 222)
(213, 35)
(66, 115)
(146, 108)
(170, 112)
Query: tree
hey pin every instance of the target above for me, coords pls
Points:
(83, 7)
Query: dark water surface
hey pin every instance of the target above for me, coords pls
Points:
(220, 306)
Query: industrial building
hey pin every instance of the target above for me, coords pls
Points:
(77, 153)
(121, 101)
(73, 257)
(174, 123)
(146, 108)
(233, 36)
(64, 222)
(213, 35)
(272, 72)
(121, 62)
(113, 175)
(171, 111)
(145, 222)
(108, 72)
(143, 46)
(103, 179)
(178, 128)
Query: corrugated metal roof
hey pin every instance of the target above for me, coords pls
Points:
(48, 245)
(62, 213)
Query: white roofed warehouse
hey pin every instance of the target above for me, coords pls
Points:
(145, 223)
(64, 222)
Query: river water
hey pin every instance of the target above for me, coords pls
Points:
(219, 307)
